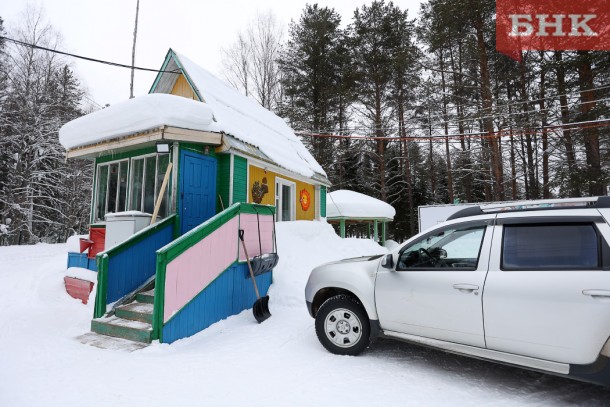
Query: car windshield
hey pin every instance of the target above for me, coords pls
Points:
(452, 247)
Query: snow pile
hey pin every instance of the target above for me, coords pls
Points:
(224, 109)
(73, 243)
(345, 203)
(303, 245)
(237, 362)
(134, 115)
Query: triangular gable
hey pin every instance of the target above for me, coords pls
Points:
(240, 117)
(171, 70)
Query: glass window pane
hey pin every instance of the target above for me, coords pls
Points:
(162, 162)
(286, 203)
(122, 199)
(455, 248)
(137, 177)
(102, 185)
(149, 184)
(550, 246)
(113, 179)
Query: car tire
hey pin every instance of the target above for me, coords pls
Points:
(342, 326)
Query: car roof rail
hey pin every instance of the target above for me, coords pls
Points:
(533, 205)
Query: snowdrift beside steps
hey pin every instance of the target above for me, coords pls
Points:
(304, 245)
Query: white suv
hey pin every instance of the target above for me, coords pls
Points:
(526, 284)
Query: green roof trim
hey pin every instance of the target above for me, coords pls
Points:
(172, 55)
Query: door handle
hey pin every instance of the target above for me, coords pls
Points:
(597, 293)
(466, 288)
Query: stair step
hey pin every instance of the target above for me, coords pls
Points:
(123, 328)
(136, 311)
(146, 296)
(110, 342)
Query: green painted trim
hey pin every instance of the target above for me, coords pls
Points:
(139, 236)
(125, 155)
(159, 304)
(342, 228)
(240, 179)
(253, 209)
(102, 286)
(158, 77)
(322, 201)
(223, 181)
(383, 232)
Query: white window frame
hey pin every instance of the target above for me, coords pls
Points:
(155, 188)
(279, 182)
(97, 182)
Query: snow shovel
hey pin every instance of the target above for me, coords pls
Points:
(260, 308)
(264, 263)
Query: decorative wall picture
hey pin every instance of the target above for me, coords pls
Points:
(259, 189)
(305, 199)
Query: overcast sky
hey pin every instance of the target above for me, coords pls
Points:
(103, 29)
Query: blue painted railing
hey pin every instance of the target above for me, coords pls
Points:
(128, 265)
(231, 293)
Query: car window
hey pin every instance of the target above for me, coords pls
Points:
(548, 246)
(453, 248)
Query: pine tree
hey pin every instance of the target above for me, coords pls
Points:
(381, 36)
(317, 85)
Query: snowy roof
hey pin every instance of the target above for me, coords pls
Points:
(349, 204)
(136, 115)
(241, 117)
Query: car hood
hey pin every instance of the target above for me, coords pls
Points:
(355, 259)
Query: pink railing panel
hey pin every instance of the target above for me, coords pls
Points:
(188, 274)
(250, 226)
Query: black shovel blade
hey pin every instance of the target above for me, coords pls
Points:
(260, 309)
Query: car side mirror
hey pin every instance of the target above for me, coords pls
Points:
(387, 262)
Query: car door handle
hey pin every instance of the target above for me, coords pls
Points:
(596, 293)
(466, 288)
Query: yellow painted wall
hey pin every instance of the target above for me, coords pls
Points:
(182, 88)
(257, 174)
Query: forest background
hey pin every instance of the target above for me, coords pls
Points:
(411, 111)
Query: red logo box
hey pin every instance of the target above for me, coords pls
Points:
(551, 25)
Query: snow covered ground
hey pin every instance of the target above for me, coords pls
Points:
(237, 362)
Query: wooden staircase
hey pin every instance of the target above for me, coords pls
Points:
(131, 321)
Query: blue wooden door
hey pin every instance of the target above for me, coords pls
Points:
(197, 189)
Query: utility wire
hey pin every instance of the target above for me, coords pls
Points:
(501, 133)
(25, 44)
(453, 122)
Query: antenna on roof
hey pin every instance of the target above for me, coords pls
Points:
(133, 50)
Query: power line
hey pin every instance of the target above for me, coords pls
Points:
(468, 119)
(25, 44)
(500, 133)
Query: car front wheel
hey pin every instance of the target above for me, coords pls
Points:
(342, 326)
